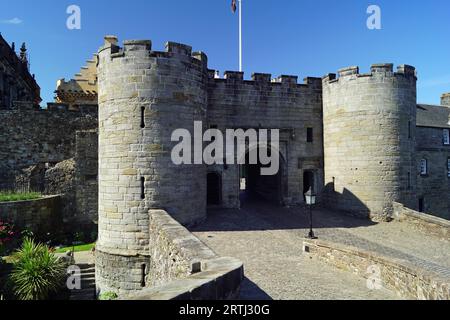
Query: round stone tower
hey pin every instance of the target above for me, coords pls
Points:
(369, 139)
(144, 96)
(445, 99)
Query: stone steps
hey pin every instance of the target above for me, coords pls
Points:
(88, 290)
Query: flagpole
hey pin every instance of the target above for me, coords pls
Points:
(240, 35)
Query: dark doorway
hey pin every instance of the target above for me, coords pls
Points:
(254, 185)
(421, 204)
(308, 181)
(214, 189)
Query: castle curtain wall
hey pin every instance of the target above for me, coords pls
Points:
(29, 136)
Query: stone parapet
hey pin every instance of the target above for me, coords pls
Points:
(400, 276)
(178, 266)
(428, 224)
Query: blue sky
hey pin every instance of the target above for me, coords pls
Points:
(299, 37)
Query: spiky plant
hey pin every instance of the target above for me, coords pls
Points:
(37, 272)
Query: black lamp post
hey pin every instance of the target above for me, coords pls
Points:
(310, 197)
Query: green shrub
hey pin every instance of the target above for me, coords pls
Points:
(108, 296)
(37, 272)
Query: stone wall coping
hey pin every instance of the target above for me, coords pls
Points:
(220, 280)
(402, 213)
(217, 278)
(431, 277)
(56, 109)
(189, 245)
(401, 264)
(43, 198)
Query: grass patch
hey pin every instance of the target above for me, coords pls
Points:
(9, 196)
(78, 248)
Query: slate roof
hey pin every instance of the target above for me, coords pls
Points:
(433, 116)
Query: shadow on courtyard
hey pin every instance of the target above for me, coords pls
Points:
(251, 291)
(260, 215)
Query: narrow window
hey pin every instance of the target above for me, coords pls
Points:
(446, 137)
(409, 129)
(409, 181)
(423, 167)
(142, 188)
(421, 204)
(143, 117)
(309, 135)
(143, 268)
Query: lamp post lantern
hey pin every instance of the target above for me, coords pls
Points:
(310, 197)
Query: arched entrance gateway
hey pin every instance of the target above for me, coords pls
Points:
(254, 185)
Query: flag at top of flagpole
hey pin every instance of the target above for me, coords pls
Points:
(233, 6)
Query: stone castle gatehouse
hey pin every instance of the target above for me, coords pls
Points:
(354, 138)
(359, 140)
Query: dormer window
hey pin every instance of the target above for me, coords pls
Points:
(446, 137)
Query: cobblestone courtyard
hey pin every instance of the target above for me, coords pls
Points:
(268, 239)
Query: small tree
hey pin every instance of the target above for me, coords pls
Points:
(37, 272)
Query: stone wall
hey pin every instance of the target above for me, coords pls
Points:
(30, 137)
(427, 224)
(434, 187)
(86, 179)
(76, 180)
(397, 275)
(41, 216)
(263, 103)
(60, 180)
(369, 139)
(182, 267)
(174, 251)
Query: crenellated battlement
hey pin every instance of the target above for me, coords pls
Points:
(52, 107)
(143, 48)
(380, 69)
(264, 78)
